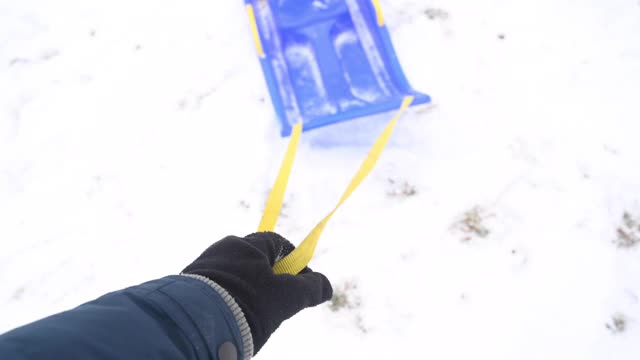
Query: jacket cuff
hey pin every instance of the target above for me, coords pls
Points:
(243, 325)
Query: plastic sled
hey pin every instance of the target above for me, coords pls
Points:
(327, 61)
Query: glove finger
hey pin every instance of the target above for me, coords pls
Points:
(219, 246)
(308, 289)
(272, 245)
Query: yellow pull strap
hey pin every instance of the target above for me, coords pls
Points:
(379, 16)
(298, 259)
(274, 202)
(254, 30)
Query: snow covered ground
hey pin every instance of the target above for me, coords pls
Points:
(134, 134)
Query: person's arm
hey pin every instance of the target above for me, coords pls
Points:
(224, 306)
(166, 318)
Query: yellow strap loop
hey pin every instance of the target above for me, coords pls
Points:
(299, 258)
(379, 15)
(254, 30)
(274, 202)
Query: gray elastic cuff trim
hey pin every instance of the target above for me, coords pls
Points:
(245, 331)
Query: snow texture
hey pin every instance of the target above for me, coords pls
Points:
(134, 134)
(368, 45)
(264, 18)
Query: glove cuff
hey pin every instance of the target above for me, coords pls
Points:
(243, 325)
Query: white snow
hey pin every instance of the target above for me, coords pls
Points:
(370, 94)
(266, 22)
(368, 45)
(134, 134)
(301, 59)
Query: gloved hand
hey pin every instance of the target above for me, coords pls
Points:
(243, 267)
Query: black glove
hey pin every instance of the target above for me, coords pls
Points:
(244, 267)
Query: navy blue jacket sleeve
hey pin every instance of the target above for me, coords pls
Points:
(176, 317)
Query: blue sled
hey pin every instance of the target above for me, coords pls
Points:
(327, 61)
